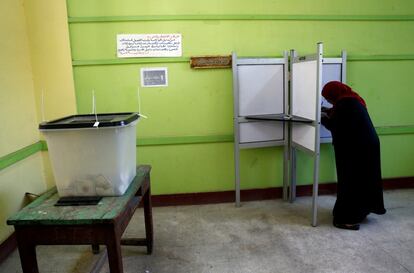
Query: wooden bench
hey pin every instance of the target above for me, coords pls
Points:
(43, 223)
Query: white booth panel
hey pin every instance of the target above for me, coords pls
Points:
(261, 89)
(304, 135)
(325, 133)
(330, 72)
(305, 91)
(260, 131)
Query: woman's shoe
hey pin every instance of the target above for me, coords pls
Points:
(347, 226)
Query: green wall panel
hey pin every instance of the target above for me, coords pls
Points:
(195, 102)
(251, 38)
(240, 17)
(189, 168)
(305, 163)
(386, 87)
(209, 167)
(161, 7)
(397, 155)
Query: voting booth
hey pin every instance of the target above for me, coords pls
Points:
(270, 110)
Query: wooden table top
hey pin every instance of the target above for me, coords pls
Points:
(43, 211)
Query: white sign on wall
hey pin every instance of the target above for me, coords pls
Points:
(149, 45)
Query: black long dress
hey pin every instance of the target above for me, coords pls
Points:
(358, 165)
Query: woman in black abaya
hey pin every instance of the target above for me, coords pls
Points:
(357, 156)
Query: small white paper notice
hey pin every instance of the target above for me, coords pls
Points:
(149, 45)
(154, 77)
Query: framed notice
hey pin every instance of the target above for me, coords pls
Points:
(154, 77)
(149, 45)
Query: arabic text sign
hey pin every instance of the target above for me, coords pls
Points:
(148, 45)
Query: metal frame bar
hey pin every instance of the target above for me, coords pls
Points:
(236, 128)
(317, 138)
(344, 56)
(260, 144)
(292, 151)
(332, 60)
(286, 133)
(260, 61)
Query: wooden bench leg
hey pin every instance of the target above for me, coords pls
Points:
(95, 249)
(149, 231)
(27, 252)
(113, 247)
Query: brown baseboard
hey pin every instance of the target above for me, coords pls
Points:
(203, 198)
(7, 247)
(398, 183)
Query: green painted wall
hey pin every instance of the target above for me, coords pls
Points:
(200, 103)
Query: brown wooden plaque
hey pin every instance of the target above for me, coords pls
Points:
(210, 62)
